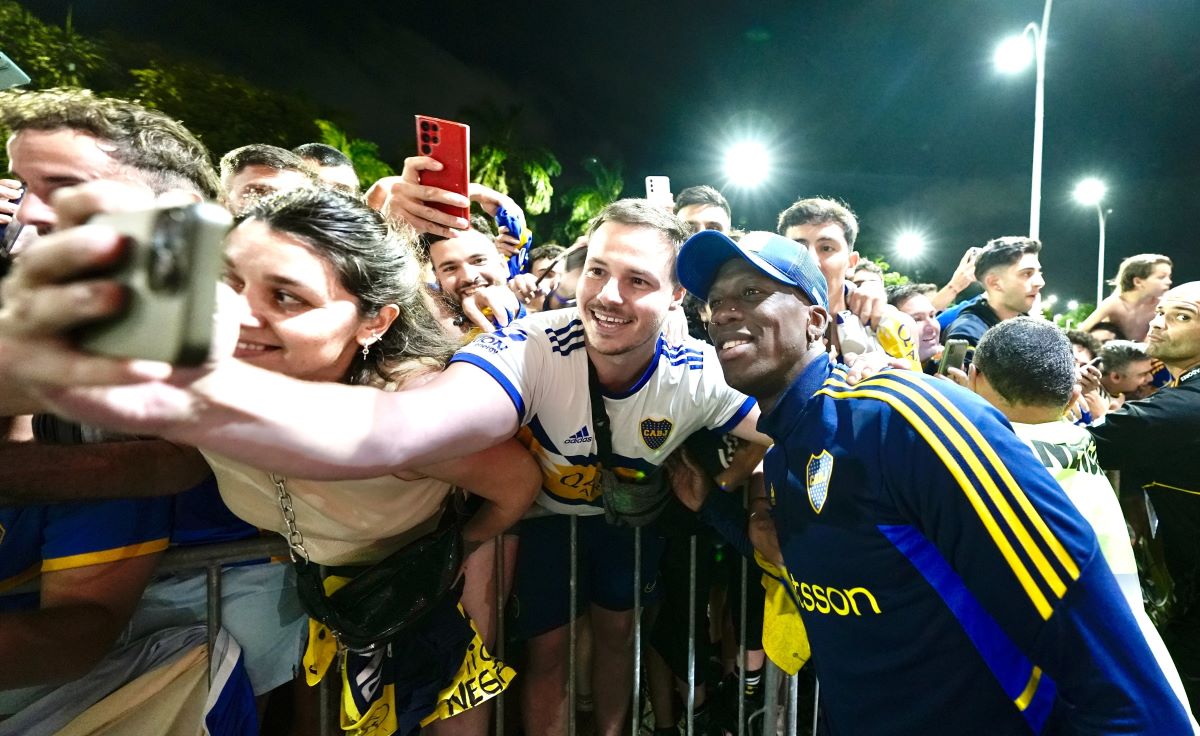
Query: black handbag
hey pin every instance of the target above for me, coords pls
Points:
(626, 502)
(383, 600)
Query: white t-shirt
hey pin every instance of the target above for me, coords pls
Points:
(1069, 453)
(541, 363)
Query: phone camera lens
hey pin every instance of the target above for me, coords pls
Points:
(424, 137)
(435, 140)
(433, 127)
(424, 125)
(426, 149)
(167, 263)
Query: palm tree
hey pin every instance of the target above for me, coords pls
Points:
(586, 201)
(363, 154)
(506, 164)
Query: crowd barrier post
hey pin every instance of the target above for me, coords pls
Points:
(816, 705)
(792, 719)
(498, 626)
(636, 709)
(212, 603)
(691, 679)
(572, 633)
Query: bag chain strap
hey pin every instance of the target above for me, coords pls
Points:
(295, 539)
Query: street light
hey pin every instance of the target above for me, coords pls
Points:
(910, 245)
(747, 163)
(1073, 305)
(1050, 300)
(1008, 57)
(1090, 193)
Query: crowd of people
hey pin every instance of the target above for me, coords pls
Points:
(952, 512)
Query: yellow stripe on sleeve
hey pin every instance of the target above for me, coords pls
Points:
(1026, 696)
(1060, 552)
(1036, 596)
(129, 551)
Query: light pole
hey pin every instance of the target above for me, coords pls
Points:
(1090, 193)
(1008, 56)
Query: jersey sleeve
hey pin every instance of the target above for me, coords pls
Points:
(82, 534)
(1014, 562)
(513, 357)
(1143, 430)
(726, 406)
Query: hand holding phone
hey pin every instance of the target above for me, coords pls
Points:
(954, 355)
(171, 272)
(449, 143)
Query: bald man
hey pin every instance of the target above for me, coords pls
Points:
(1155, 443)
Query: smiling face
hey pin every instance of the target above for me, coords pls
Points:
(296, 317)
(626, 290)
(466, 263)
(762, 329)
(929, 332)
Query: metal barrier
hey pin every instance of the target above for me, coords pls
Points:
(213, 558)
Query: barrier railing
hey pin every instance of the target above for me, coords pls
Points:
(213, 558)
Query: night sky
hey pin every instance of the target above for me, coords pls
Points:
(894, 107)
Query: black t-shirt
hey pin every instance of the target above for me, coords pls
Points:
(1155, 443)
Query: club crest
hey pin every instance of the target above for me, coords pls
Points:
(816, 478)
(655, 432)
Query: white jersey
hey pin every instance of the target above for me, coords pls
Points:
(541, 363)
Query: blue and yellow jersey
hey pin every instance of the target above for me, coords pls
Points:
(38, 539)
(944, 579)
(541, 363)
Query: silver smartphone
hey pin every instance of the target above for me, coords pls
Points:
(11, 74)
(171, 271)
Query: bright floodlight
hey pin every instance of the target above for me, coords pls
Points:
(1090, 192)
(747, 164)
(1050, 300)
(1073, 305)
(1014, 54)
(910, 245)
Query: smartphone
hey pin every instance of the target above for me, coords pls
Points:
(11, 74)
(171, 271)
(658, 191)
(954, 355)
(450, 144)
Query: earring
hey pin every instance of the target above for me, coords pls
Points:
(366, 351)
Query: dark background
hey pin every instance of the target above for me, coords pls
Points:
(893, 106)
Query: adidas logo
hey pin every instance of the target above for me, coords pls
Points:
(579, 437)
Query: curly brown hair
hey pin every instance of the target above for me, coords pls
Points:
(159, 147)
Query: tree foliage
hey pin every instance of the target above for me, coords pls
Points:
(507, 164)
(584, 202)
(50, 55)
(364, 154)
(225, 111)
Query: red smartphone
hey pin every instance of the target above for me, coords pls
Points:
(450, 143)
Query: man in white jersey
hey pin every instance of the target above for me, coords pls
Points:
(1033, 395)
(654, 395)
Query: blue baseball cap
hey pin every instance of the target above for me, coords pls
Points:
(784, 260)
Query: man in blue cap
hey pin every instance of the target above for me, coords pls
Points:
(944, 580)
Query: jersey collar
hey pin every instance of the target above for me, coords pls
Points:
(778, 422)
